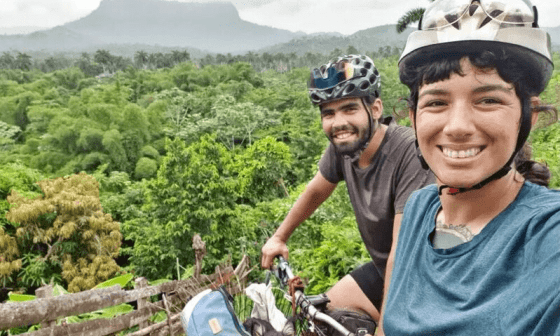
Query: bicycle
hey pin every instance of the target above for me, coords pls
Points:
(314, 311)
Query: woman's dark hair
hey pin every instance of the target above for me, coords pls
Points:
(509, 69)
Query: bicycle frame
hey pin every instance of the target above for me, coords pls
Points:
(284, 274)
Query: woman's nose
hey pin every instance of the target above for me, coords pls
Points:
(459, 123)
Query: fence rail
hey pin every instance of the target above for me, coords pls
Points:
(172, 296)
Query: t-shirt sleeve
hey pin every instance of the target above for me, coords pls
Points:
(410, 177)
(330, 165)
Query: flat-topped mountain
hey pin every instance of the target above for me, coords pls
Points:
(215, 27)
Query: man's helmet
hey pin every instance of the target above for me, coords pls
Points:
(348, 76)
(453, 27)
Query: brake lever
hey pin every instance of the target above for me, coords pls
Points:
(282, 271)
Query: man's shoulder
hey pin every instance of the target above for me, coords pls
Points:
(400, 136)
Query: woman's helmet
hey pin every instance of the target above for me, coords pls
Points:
(348, 76)
(452, 27)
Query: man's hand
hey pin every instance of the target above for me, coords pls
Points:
(273, 247)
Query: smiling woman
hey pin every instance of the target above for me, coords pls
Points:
(477, 254)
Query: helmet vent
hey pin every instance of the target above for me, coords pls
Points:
(349, 88)
(372, 79)
(367, 65)
(364, 85)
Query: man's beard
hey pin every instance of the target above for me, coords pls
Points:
(348, 148)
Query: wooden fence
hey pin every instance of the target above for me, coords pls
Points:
(171, 298)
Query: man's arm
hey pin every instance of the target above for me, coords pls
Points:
(389, 269)
(316, 192)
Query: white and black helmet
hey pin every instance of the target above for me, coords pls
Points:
(453, 26)
(348, 76)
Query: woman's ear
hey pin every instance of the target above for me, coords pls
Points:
(411, 116)
(535, 102)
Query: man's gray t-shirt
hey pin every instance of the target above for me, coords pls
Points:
(380, 190)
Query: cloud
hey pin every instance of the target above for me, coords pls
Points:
(43, 13)
(312, 16)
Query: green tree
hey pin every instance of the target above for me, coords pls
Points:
(23, 61)
(141, 58)
(112, 142)
(262, 168)
(237, 122)
(7, 61)
(105, 59)
(193, 193)
(8, 134)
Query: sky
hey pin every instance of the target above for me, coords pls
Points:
(309, 16)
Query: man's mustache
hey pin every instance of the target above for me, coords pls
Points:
(349, 128)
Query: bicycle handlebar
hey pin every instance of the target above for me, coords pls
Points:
(284, 273)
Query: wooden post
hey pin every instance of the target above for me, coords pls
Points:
(143, 302)
(199, 248)
(45, 292)
(168, 311)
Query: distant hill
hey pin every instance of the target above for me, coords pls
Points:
(364, 40)
(215, 27)
(19, 30)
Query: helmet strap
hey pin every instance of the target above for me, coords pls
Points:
(423, 162)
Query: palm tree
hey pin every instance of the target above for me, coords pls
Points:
(413, 15)
(23, 61)
(141, 58)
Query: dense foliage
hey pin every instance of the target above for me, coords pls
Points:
(212, 146)
(64, 229)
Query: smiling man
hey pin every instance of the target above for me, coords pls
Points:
(377, 160)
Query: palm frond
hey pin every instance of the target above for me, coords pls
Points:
(413, 15)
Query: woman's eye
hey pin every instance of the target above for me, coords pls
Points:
(434, 103)
(490, 101)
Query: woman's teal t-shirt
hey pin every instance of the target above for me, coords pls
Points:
(506, 281)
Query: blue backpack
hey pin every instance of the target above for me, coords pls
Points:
(211, 313)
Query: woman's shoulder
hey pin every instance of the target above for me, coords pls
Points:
(538, 197)
(423, 197)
